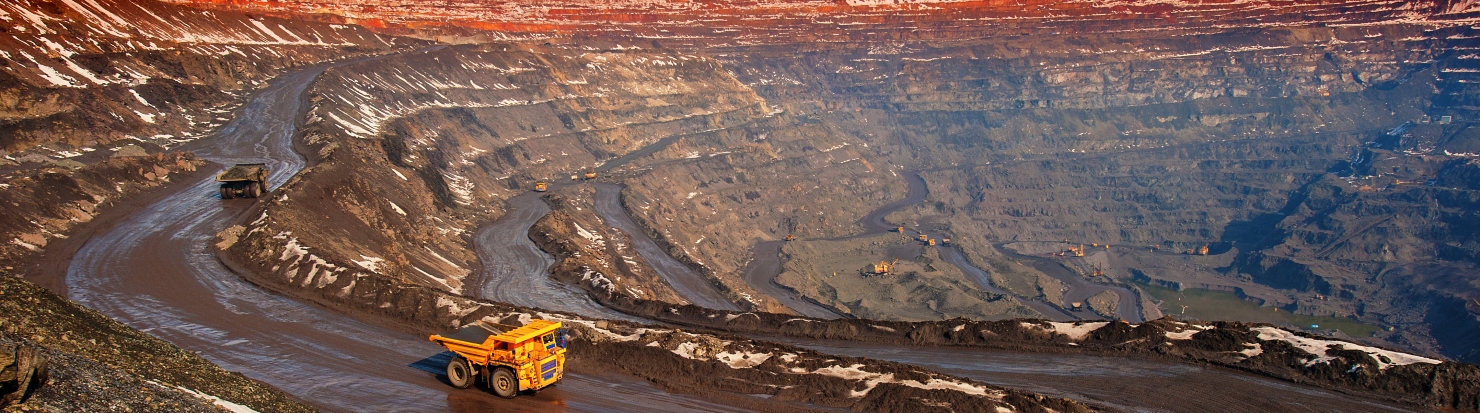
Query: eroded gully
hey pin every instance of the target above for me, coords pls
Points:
(153, 271)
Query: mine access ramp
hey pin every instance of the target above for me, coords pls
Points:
(246, 180)
(508, 359)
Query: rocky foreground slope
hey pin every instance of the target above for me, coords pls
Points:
(93, 363)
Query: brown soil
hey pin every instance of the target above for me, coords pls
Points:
(99, 364)
(49, 268)
(1448, 385)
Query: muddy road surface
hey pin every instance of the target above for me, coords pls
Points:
(684, 279)
(153, 271)
(516, 271)
(1119, 383)
(761, 274)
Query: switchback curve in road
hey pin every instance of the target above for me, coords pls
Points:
(154, 272)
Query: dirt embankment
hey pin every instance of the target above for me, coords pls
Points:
(601, 256)
(735, 370)
(1257, 348)
(43, 207)
(98, 364)
(704, 364)
(98, 74)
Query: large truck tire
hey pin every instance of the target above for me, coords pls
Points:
(226, 192)
(251, 191)
(503, 383)
(459, 373)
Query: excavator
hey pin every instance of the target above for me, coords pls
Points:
(885, 267)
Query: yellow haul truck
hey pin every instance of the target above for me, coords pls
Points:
(509, 359)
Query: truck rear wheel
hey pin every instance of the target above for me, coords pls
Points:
(251, 191)
(459, 373)
(504, 384)
(225, 192)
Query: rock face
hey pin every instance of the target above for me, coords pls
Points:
(94, 93)
(22, 371)
(1297, 141)
(445, 144)
(590, 253)
(88, 74)
(56, 355)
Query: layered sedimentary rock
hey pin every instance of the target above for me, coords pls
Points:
(1159, 127)
(91, 92)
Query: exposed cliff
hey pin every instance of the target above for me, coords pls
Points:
(93, 92)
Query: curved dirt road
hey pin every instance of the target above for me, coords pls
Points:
(516, 271)
(153, 272)
(688, 283)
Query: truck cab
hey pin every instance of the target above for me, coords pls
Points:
(508, 359)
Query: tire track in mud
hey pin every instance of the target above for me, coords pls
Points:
(154, 272)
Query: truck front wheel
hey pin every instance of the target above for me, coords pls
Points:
(459, 373)
(504, 384)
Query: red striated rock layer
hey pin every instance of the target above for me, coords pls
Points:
(768, 21)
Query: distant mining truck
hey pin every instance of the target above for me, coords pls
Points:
(246, 180)
(508, 359)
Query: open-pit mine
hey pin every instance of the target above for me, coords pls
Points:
(778, 205)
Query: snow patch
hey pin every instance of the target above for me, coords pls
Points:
(219, 402)
(25, 245)
(1318, 347)
(1075, 331)
(871, 380)
(1254, 349)
(370, 263)
(742, 359)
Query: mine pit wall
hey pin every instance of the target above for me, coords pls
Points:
(1449, 385)
(1050, 145)
(89, 116)
(156, 71)
(412, 152)
(593, 254)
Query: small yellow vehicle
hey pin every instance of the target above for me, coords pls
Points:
(541, 186)
(508, 359)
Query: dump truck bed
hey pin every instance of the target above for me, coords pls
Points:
(242, 172)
